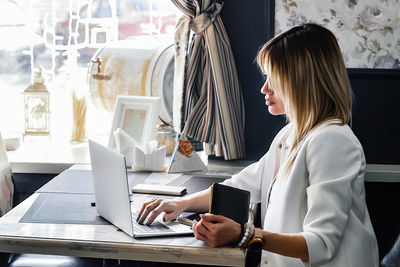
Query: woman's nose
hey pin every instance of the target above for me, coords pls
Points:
(265, 89)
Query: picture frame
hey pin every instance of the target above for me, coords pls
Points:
(137, 116)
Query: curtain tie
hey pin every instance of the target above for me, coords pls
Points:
(206, 18)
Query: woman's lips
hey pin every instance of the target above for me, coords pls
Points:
(269, 103)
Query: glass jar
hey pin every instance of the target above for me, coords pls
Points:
(166, 136)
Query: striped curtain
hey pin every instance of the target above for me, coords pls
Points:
(208, 103)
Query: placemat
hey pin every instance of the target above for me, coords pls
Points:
(58, 208)
(196, 183)
(80, 182)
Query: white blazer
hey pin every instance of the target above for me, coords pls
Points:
(322, 198)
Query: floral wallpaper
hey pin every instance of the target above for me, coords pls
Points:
(368, 31)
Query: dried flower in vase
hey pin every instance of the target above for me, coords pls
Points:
(79, 107)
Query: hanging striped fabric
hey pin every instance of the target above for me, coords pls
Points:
(208, 103)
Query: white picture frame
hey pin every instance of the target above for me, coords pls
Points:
(137, 116)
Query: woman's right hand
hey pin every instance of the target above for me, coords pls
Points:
(152, 208)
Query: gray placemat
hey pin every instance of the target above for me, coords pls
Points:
(70, 181)
(58, 208)
(80, 182)
(196, 183)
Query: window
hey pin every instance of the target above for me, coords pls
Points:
(61, 37)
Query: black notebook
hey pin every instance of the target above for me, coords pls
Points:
(230, 202)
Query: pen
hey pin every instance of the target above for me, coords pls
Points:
(185, 221)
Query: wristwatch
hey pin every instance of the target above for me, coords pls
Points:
(257, 242)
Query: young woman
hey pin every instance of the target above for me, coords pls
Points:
(311, 181)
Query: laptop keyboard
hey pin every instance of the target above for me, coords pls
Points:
(143, 228)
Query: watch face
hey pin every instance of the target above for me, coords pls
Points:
(256, 245)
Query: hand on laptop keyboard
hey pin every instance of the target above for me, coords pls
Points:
(144, 228)
(151, 209)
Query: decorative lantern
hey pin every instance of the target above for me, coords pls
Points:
(37, 111)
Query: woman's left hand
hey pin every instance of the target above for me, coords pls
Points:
(216, 230)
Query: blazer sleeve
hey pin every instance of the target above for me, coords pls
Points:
(334, 160)
(250, 178)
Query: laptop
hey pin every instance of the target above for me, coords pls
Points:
(113, 201)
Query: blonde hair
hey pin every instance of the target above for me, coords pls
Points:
(307, 72)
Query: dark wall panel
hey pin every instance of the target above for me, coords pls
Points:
(25, 184)
(248, 26)
(376, 114)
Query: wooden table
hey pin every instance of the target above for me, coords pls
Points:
(105, 241)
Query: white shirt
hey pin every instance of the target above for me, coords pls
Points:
(322, 198)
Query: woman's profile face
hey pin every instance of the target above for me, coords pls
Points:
(272, 100)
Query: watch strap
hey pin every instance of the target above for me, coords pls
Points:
(257, 242)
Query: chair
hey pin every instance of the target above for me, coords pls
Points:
(30, 260)
(392, 259)
(6, 183)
